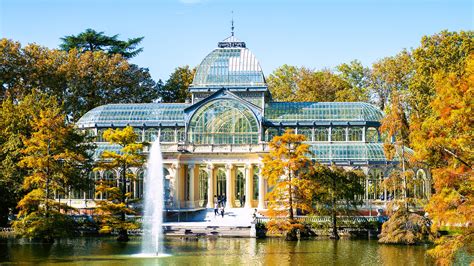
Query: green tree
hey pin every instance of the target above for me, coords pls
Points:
(391, 74)
(283, 83)
(338, 192)
(56, 158)
(91, 40)
(294, 84)
(80, 81)
(442, 52)
(14, 126)
(358, 78)
(284, 168)
(176, 88)
(113, 210)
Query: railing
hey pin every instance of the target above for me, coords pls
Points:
(211, 148)
(323, 219)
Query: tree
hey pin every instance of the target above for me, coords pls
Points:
(284, 168)
(113, 210)
(56, 158)
(444, 141)
(442, 52)
(283, 83)
(395, 126)
(391, 74)
(338, 192)
(300, 84)
(358, 77)
(80, 81)
(91, 40)
(176, 88)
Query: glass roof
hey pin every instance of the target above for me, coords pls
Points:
(120, 115)
(230, 65)
(348, 152)
(277, 112)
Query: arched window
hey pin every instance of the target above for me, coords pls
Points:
(100, 135)
(239, 192)
(338, 134)
(321, 134)
(422, 185)
(270, 133)
(110, 179)
(307, 132)
(166, 186)
(181, 134)
(371, 135)
(255, 183)
(202, 187)
(139, 185)
(151, 134)
(223, 122)
(167, 135)
(355, 133)
(139, 133)
(374, 187)
(90, 193)
(220, 186)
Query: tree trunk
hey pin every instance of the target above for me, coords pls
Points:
(123, 234)
(334, 234)
(290, 197)
(405, 190)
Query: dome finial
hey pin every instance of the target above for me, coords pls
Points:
(232, 24)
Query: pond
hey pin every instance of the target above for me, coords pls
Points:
(205, 251)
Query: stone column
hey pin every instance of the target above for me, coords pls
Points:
(174, 171)
(210, 186)
(191, 185)
(228, 187)
(248, 185)
(261, 189)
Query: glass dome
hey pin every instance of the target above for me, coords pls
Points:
(229, 65)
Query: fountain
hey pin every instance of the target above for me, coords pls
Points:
(153, 212)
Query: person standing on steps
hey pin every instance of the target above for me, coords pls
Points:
(216, 209)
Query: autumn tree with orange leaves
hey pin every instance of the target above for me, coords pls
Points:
(284, 168)
(445, 141)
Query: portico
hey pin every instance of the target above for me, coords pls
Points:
(195, 185)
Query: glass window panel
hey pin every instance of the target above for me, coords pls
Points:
(321, 134)
(307, 132)
(223, 122)
(151, 134)
(167, 135)
(181, 134)
(355, 133)
(371, 135)
(338, 134)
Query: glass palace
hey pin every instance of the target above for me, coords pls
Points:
(214, 145)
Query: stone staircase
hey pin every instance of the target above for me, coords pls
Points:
(235, 223)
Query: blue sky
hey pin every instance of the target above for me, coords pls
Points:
(315, 34)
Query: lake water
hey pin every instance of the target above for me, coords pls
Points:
(220, 251)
